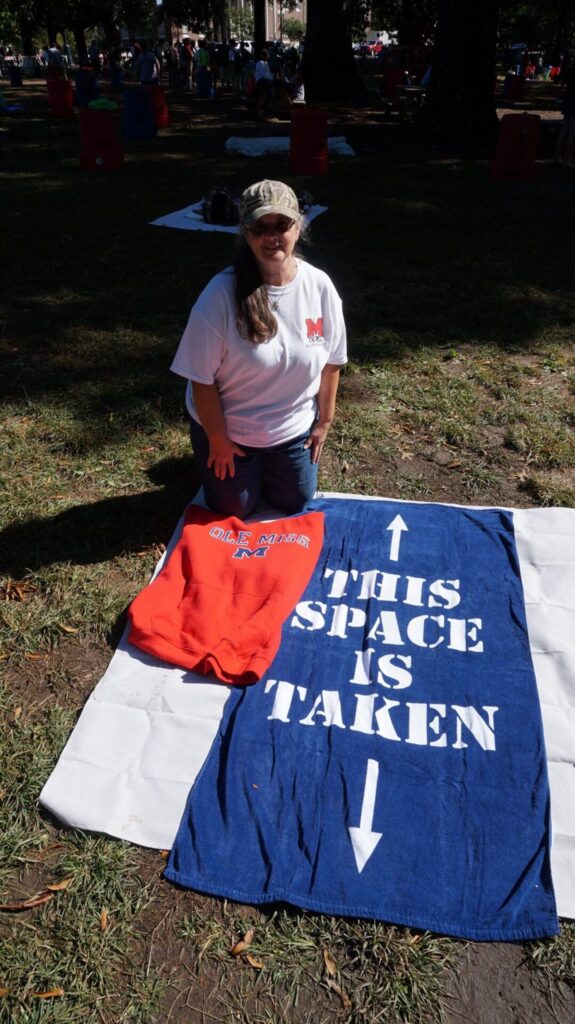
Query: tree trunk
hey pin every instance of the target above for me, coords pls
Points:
(78, 33)
(561, 34)
(111, 33)
(259, 26)
(460, 102)
(27, 30)
(328, 66)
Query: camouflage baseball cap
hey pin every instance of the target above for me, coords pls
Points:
(268, 197)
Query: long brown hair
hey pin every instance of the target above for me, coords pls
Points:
(254, 316)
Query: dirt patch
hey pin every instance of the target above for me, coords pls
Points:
(491, 984)
(64, 676)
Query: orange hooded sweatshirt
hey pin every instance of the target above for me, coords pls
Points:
(219, 602)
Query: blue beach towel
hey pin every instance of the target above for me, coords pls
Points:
(391, 763)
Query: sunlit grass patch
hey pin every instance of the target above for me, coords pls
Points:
(66, 599)
(30, 741)
(555, 958)
(74, 942)
(361, 970)
(543, 444)
(548, 489)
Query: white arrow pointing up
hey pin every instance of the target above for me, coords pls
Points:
(363, 840)
(397, 526)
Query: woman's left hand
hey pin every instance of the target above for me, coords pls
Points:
(316, 439)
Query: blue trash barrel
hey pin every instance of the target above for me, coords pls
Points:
(15, 75)
(204, 83)
(86, 87)
(138, 121)
(116, 76)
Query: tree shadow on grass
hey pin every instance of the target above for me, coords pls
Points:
(88, 534)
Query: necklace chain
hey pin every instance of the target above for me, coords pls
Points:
(275, 302)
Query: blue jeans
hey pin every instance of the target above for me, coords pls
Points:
(284, 476)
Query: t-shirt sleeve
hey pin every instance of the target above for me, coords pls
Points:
(337, 332)
(201, 349)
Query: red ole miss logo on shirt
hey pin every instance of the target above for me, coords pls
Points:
(314, 330)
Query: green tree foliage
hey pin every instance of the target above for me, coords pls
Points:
(9, 28)
(293, 29)
(105, 17)
(538, 23)
(414, 21)
(211, 17)
(241, 22)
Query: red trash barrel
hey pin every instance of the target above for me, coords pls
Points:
(517, 145)
(308, 152)
(60, 97)
(99, 141)
(392, 79)
(159, 105)
(513, 87)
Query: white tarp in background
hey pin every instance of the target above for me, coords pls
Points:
(147, 727)
(190, 219)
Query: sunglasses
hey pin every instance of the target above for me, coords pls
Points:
(281, 227)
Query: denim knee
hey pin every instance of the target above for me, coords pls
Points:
(237, 495)
(290, 477)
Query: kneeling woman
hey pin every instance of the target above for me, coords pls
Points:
(262, 351)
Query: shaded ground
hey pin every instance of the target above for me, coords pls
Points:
(489, 982)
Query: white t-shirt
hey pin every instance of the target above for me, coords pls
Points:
(268, 390)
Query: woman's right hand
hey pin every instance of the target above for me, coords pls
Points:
(221, 457)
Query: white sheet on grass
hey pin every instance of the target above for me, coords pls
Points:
(147, 727)
(190, 219)
(336, 144)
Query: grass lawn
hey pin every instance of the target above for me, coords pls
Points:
(459, 297)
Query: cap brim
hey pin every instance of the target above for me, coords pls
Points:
(263, 211)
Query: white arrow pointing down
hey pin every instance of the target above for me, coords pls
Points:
(363, 839)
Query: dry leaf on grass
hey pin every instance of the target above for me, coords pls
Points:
(329, 962)
(69, 629)
(4, 992)
(16, 590)
(45, 852)
(345, 1000)
(256, 964)
(58, 886)
(103, 919)
(34, 901)
(51, 993)
(243, 944)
